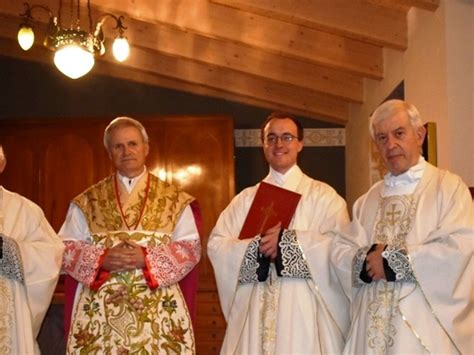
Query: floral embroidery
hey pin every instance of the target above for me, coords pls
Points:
(125, 316)
(248, 269)
(293, 260)
(124, 313)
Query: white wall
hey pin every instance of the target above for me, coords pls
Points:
(439, 80)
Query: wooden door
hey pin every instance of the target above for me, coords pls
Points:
(52, 160)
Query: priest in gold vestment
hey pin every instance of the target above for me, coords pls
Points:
(130, 239)
(406, 259)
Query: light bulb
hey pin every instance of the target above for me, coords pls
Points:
(120, 48)
(26, 37)
(73, 61)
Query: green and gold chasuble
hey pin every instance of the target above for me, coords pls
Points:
(125, 316)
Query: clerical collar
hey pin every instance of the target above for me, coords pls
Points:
(404, 183)
(129, 183)
(283, 179)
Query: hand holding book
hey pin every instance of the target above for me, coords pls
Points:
(271, 211)
(269, 241)
(271, 204)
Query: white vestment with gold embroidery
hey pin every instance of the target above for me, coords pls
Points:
(283, 315)
(434, 312)
(24, 305)
(124, 314)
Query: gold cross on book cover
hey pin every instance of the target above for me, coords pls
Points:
(272, 204)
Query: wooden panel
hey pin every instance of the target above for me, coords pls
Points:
(21, 173)
(76, 157)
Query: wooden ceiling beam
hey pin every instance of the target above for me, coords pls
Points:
(183, 75)
(355, 19)
(430, 5)
(275, 36)
(246, 59)
(227, 54)
(238, 83)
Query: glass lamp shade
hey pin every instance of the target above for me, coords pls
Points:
(73, 61)
(121, 49)
(26, 37)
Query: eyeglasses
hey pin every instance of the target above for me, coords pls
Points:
(285, 138)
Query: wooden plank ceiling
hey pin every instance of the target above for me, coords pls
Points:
(309, 57)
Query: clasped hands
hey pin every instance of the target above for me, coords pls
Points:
(125, 256)
(374, 263)
(269, 241)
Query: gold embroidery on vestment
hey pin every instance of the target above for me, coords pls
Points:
(6, 317)
(394, 220)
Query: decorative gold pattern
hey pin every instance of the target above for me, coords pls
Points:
(394, 219)
(313, 137)
(381, 310)
(269, 294)
(6, 317)
(393, 222)
(125, 315)
(164, 206)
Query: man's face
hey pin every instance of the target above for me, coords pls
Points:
(282, 155)
(127, 150)
(398, 142)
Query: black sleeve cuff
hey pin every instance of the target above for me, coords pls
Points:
(279, 259)
(389, 274)
(364, 276)
(263, 268)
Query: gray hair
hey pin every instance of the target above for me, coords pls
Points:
(123, 122)
(392, 107)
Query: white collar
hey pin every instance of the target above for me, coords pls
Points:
(412, 175)
(288, 180)
(129, 183)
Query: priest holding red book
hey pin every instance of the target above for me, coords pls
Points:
(270, 253)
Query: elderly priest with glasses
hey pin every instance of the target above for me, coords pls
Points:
(270, 253)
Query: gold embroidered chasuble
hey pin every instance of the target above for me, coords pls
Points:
(414, 314)
(393, 222)
(124, 314)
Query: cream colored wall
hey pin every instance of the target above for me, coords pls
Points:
(438, 75)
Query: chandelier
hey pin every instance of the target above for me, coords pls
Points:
(74, 48)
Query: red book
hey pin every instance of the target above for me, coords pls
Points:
(272, 204)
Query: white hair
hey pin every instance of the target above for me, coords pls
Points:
(123, 122)
(392, 107)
